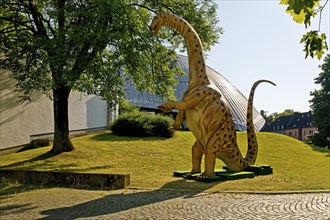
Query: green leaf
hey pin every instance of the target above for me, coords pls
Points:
(299, 18)
(301, 10)
(315, 44)
(284, 2)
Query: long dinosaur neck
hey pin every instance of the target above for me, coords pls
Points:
(252, 151)
(197, 71)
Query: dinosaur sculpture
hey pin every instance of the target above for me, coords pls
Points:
(206, 112)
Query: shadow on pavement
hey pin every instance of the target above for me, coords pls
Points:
(115, 203)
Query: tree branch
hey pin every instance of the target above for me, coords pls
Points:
(61, 15)
(168, 8)
(37, 19)
(21, 23)
(321, 9)
(10, 30)
(143, 6)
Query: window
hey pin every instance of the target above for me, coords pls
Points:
(282, 126)
(310, 132)
(290, 133)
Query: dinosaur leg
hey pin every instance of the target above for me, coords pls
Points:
(209, 164)
(232, 157)
(197, 154)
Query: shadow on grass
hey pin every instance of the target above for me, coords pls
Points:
(320, 149)
(29, 164)
(115, 203)
(113, 137)
(44, 156)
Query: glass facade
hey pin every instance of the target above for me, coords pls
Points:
(234, 98)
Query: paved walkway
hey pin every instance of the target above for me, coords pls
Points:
(57, 203)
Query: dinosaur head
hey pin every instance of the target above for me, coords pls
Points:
(157, 22)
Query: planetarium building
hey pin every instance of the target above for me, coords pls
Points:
(235, 99)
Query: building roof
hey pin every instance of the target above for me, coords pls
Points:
(298, 120)
(235, 99)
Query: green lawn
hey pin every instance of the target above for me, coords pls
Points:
(151, 162)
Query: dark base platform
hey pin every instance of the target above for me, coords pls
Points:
(224, 174)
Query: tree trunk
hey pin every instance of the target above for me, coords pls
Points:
(62, 142)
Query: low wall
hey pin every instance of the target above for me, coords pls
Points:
(103, 181)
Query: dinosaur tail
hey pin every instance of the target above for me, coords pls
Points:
(252, 151)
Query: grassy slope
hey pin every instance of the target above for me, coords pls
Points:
(151, 162)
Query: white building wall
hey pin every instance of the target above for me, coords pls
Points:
(20, 121)
(96, 107)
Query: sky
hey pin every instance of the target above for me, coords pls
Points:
(261, 41)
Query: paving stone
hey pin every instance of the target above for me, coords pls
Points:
(58, 203)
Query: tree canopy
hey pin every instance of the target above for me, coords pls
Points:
(91, 45)
(302, 11)
(94, 47)
(273, 116)
(320, 104)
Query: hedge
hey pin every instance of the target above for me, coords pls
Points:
(139, 124)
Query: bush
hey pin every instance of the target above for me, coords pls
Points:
(320, 140)
(139, 124)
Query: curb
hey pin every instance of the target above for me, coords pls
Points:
(232, 192)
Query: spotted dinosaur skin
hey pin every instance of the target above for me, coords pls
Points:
(205, 110)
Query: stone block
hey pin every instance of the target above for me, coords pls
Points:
(108, 181)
